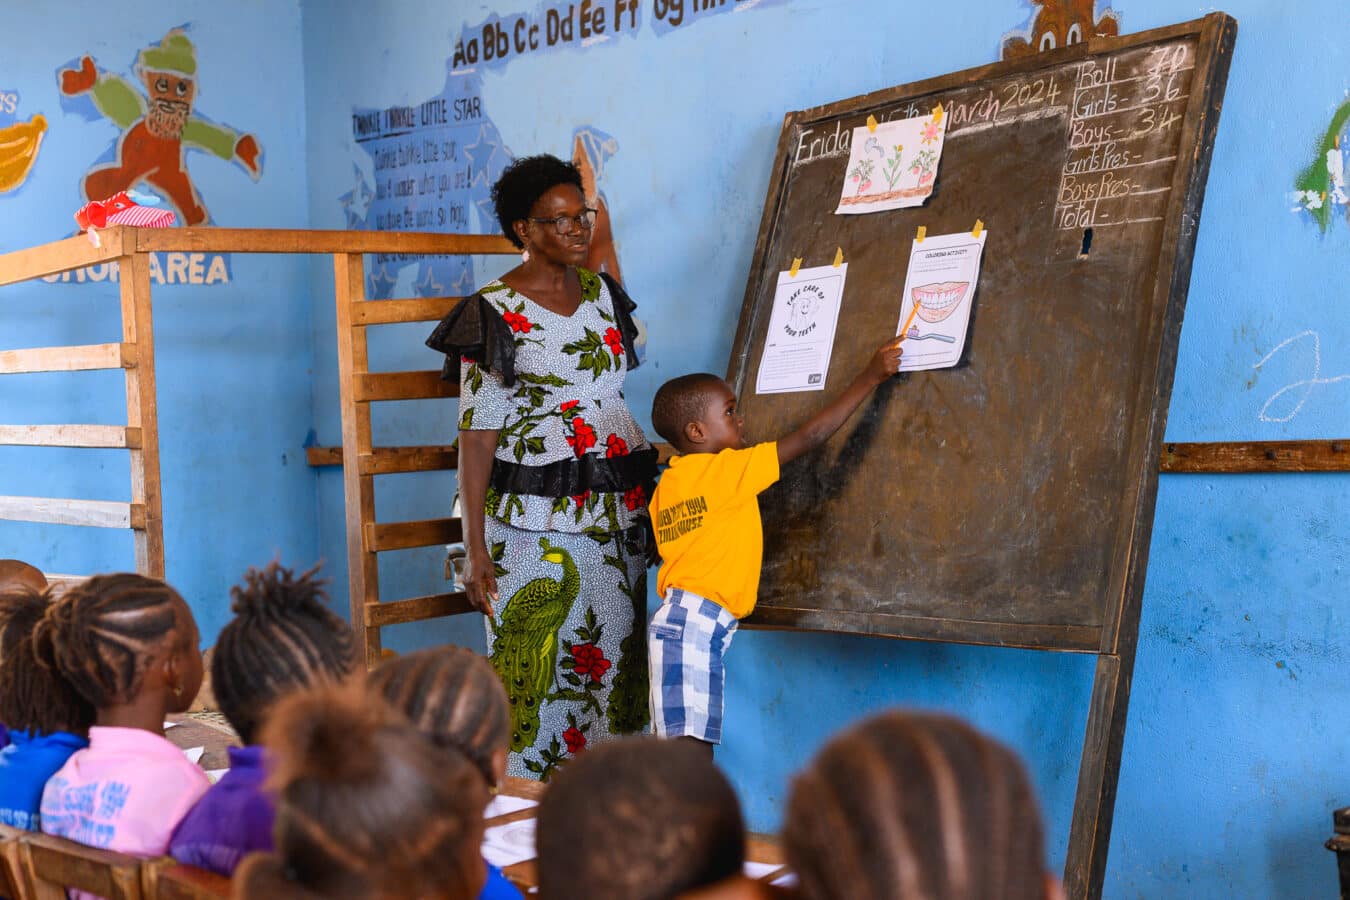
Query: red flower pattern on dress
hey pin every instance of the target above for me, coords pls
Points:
(615, 341)
(518, 322)
(582, 437)
(581, 498)
(575, 740)
(635, 499)
(568, 405)
(590, 660)
(615, 446)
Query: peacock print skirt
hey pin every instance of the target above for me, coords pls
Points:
(568, 638)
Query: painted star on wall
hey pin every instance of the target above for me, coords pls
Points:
(480, 155)
(382, 283)
(356, 202)
(429, 286)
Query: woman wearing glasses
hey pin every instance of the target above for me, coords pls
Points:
(554, 475)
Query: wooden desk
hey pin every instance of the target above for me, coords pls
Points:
(189, 732)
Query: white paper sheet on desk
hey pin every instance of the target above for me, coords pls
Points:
(800, 340)
(758, 870)
(194, 754)
(506, 845)
(503, 804)
(216, 774)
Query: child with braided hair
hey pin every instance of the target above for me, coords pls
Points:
(367, 807)
(283, 638)
(910, 805)
(15, 574)
(49, 720)
(127, 644)
(454, 697)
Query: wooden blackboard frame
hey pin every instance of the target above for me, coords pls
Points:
(1115, 641)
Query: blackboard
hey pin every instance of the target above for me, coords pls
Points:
(1003, 501)
(1009, 500)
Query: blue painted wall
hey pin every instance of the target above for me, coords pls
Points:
(1234, 755)
(233, 359)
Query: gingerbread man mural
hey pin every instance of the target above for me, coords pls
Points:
(1059, 23)
(157, 126)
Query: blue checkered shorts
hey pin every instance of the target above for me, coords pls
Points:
(688, 638)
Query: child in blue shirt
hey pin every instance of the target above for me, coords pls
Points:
(49, 721)
(283, 638)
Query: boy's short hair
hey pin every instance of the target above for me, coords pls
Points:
(15, 573)
(34, 697)
(680, 401)
(640, 819)
(283, 637)
(908, 805)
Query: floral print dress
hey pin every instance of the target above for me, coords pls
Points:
(568, 630)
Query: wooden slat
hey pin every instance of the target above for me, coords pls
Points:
(55, 863)
(94, 513)
(1251, 457)
(82, 358)
(375, 386)
(390, 312)
(114, 436)
(358, 490)
(62, 582)
(394, 460)
(323, 456)
(417, 609)
(282, 240)
(59, 256)
(406, 535)
(143, 413)
(175, 881)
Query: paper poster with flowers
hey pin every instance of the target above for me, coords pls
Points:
(892, 165)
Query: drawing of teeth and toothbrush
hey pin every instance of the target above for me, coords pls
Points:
(934, 303)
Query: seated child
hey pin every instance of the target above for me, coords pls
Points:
(705, 510)
(366, 806)
(912, 805)
(641, 819)
(453, 696)
(18, 574)
(49, 719)
(128, 645)
(283, 637)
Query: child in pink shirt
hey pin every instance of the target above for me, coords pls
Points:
(128, 645)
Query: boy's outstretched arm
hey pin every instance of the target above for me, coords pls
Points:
(817, 430)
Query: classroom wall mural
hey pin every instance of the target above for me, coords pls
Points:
(20, 140)
(1319, 190)
(1059, 23)
(161, 133)
(555, 26)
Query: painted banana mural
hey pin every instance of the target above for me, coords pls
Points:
(19, 145)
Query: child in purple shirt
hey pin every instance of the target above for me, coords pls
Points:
(283, 637)
(50, 720)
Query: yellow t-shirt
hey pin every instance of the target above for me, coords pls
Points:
(705, 511)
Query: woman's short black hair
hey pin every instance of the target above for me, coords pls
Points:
(523, 183)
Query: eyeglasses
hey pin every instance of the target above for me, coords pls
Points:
(567, 224)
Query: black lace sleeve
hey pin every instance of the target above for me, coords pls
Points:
(623, 311)
(475, 330)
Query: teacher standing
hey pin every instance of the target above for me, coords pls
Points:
(554, 476)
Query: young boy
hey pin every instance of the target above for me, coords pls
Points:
(706, 514)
